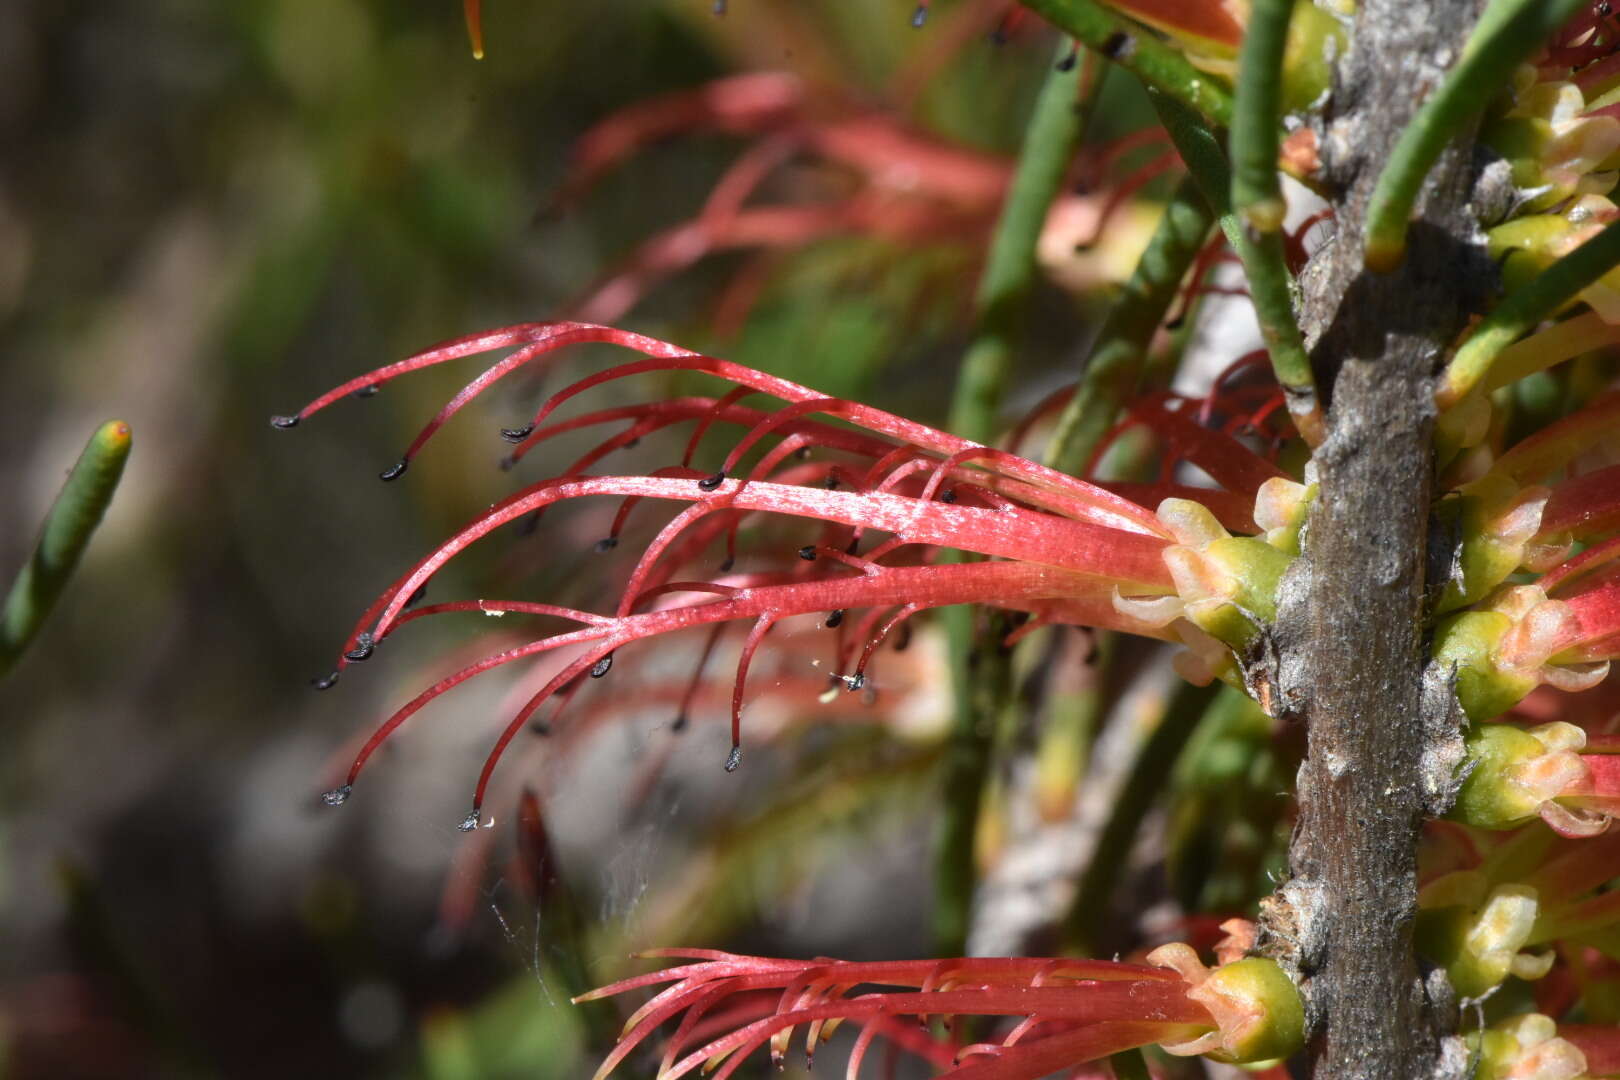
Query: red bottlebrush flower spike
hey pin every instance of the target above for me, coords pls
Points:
(1063, 550)
(1072, 1011)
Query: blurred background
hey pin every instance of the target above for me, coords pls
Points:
(210, 213)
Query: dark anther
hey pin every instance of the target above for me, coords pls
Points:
(324, 682)
(394, 471)
(602, 666)
(855, 681)
(607, 543)
(517, 434)
(1068, 62)
(528, 524)
(834, 617)
(802, 452)
(726, 565)
(853, 546)
(808, 553)
(364, 646)
(734, 759)
(284, 422)
(416, 597)
(709, 483)
(919, 17)
(1119, 44)
(470, 822)
(366, 391)
(832, 483)
(337, 796)
(948, 495)
(679, 723)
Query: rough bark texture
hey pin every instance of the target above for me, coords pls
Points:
(1350, 647)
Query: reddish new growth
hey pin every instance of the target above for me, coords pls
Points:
(890, 494)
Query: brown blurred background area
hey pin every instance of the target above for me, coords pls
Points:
(211, 212)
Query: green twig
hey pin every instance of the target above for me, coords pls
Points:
(1257, 116)
(72, 518)
(981, 677)
(1509, 33)
(1114, 364)
(1540, 299)
(1010, 269)
(1270, 284)
(1140, 52)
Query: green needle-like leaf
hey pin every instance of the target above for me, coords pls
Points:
(1510, 32)
(72, 518)
(1140, 52)
(1541, 298)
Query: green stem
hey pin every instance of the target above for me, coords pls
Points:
(1137, 50)
(1145, 782)
(72, 518)
(1114, 365)
(981, 675)
(1257, 116)
(1010, 269)
(1509, 33)
(1270, 284)
(1540, 299)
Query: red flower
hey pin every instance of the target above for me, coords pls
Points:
(1057, 548)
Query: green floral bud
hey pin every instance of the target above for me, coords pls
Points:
(1257, 1008)
(1527, 1047)
(1514, 772)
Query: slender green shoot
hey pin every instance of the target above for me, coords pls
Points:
(1113, 368)
(1010, 270)
(981, 674)
(1257, 117)
(72, 518)
(1523, 310)
(1140, 52)
(1510, 32)
(1270, 284)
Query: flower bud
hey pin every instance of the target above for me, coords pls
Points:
(1229, 583)
(1527, 1047)
(1498, 520)
(1553, 149)
(1257, 1009)
(1514, 772)
(1479, 943)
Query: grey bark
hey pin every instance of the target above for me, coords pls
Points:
(1349, 653)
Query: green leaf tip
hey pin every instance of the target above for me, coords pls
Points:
(73, 517)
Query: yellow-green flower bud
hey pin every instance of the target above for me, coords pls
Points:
(1515, 771)
(1479, 943)
(1464, 645)
(1527, 1047)
(1257, 1008)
